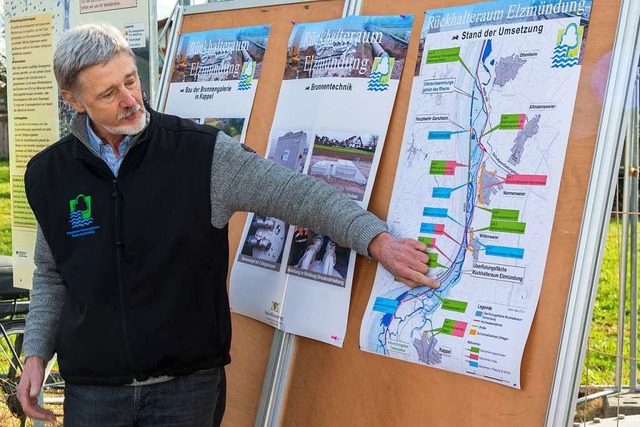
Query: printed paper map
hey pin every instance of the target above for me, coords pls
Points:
(477, 182)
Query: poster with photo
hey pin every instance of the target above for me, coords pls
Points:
(340, 83)
(214, 77)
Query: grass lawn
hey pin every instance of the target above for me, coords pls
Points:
(5, 209)
(344, 150)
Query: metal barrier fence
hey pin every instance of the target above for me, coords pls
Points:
(620, 401)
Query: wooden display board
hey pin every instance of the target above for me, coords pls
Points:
(348, 387)
(251, 339)
(330, 386)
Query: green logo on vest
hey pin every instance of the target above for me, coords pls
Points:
(80, 217)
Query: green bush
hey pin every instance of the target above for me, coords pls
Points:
(600, 359)
(5, 209)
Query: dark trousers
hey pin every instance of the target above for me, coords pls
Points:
(188, 401)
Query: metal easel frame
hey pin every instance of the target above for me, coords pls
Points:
(588, 261)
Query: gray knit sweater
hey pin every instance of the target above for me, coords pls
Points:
(240, 181)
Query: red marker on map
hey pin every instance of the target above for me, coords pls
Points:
(451, 167)
(526, 179)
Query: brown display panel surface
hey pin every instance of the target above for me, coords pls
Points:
(347, 387)
(251, 339)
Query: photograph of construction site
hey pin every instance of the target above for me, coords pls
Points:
(231, 126)
(264, 242)
(318, 254)
(343, 160)
(220, 55)
(347, 47)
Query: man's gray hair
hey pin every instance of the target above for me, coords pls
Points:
(84, 46)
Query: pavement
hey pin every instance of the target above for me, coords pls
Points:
(626, 403)
(619, 421)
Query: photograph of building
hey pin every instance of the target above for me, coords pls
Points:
(290, 149)
(344, 160)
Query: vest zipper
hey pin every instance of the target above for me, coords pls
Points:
(119, 241)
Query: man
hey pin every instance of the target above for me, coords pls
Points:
(131, 250)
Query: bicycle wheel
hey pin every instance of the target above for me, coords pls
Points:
(11, 360)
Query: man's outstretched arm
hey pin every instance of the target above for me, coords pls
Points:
(245, 181)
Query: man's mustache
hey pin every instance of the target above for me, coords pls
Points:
(128, 112)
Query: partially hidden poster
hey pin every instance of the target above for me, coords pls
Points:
(215, 75)
(335, 102)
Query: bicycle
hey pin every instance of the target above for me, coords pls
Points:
(14, 306)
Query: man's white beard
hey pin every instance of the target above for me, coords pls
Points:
(129, 129)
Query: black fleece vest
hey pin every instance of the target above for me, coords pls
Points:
(144, 269)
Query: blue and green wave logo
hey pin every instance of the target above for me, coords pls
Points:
(568, 45)
(246, 77)
(80, 217)
(380, 73)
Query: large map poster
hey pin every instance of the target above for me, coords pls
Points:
(215, 75)
(331, 120)
(477, 182)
